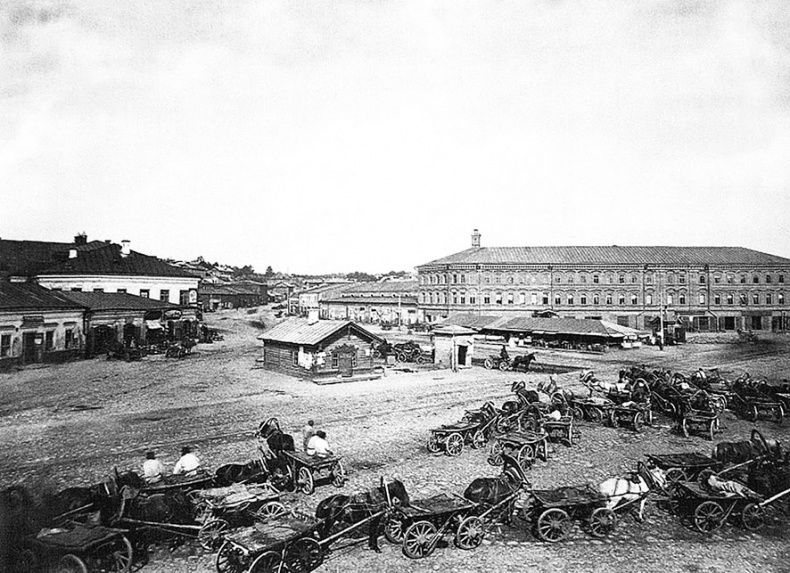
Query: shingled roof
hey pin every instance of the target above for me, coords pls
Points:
(611, 255)
(107, 260)
(115, 301)
(27, 258)
(299, 331)
(28, 296)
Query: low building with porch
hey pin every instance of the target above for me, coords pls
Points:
(316, 349)
(37, 325)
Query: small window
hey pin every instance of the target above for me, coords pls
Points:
(730, 299)
(730, 279)
(472, 299)
(649, 278)
(716, 279)
(164, 295)
(743, 279)
(742, 299)
(649, 298)
(682, 298)
(670, 298)
(463, 299)
(145, 293)
(69, 340)
(545, 298)
(670, 278)
(702, 298)
(596, 279)
(781, 278)
(557, 299)
(487, 279)
(634, 279)
(756, 279)
(463, 278)
(499, 298)
(455, 298)
(570, 299)
(621, 299)
(717, 298)
(522, 298)
(557, 279)
(121, 291)
(621, 279)
(780, 298)
(609, 299)
(702, 279)
(768, 279)
(596, 299)
(583, 279)
(634, 299)
(510, 280)
(534, 298)
(510, 299)
(486, 298)
(682, 278)
(5, 345)
(755, 298)
(769, 299)
(49, 341)
(583, 299)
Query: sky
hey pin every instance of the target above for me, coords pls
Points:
(336, 136)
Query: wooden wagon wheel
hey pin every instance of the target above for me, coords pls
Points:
(613, 419)
(470, 533)
(339, 475)
(495, 455)
(779, 413)
(676, 475)
(648, 413)
(454, 444)
(419, 540)
(270, 510)
(708, 516)
(638, 421)
(304, 555)
(432, 445)
(393, 527)
(210, 534)
(752, 516)
(478, 440)
(603, 521)
(268, 562)
(577, 413)
(304, 482)
(684, 428)
(231, 559)
(595, 414)
(70, 563)
(525, 457)
(118, 555)
(718, 403)
(553, 525)
(502, 424)
(488, 364)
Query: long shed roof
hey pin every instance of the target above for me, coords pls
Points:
(611, 255)
(28, 296)
(116, 301)
(300, 331)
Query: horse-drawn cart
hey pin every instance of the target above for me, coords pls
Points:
(474, 428)
(305, 471)
(752, 404)
(708, 510)
(684, 466)
(78, 548)
(525, 447)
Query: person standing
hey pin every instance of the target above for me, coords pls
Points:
(187, 464)
(307, 432)
(152, 468)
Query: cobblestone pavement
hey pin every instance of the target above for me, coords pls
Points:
(73, 423)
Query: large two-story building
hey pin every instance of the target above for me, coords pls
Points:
(707, 288)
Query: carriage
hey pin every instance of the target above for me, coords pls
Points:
(701, 422)
(474, 429)
(684, 466)
(753, 404)
(525, 447)
(708, 510)
(77, 548)
(306, 471)
(630, 414)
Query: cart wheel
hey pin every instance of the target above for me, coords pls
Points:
(270, 510)
(719, 404)
(649, 417)
(603, 521)
(502, 424)
(595, 414)
(419, 540)
(432, 445)
(613, 421)
(488, 364)
(684, 428)
(478, 440)
(268, 562)
(577, 413)
(525, 457)
(779, 413)
(752, 517)
(454, 444)
(304, 555)
(708, 516)
(712, 429)
(752, 414)
(675, 475)
(305, 481)
(70, 563)
(339, 475)
(400, 357)
(553, 525)
(543, 450)
(210, 534)
(638, 421)
(671, 410)
(495, 457)
(503, 366)
(231, 559)
(470, 533)
(393, 528)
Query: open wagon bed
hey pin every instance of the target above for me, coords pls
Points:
(525, 447)
(708, 510)
(684, 466)
(79, 548)
(305, 471)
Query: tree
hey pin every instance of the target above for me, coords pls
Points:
(269, 272)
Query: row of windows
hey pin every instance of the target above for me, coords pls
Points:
(164, 294)
(595, 299)
(595, 278)
(49, 342)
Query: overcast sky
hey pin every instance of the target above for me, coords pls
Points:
(369, 135)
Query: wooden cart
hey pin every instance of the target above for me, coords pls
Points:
(78, 548)
(305, 471)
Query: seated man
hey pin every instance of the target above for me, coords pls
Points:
(152, 469)
(188, 464)
(318, 446)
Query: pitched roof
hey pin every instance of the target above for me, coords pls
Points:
(386, 287)
(300, 331)
(28, 296)
(115, 301)
(611, 255)
(106, 259)
(374, 299)
(28, 258)
(530, 324)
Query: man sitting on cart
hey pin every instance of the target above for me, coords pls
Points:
(318, 446)
(152, 468)
(188, 464)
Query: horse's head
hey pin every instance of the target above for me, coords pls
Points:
(517, 385)
(332, 507)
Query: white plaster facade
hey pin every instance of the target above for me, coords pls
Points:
(136, 285)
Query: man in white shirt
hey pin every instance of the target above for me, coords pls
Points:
(188, 463)
(152, 468)
(318, 446)
(308, 432)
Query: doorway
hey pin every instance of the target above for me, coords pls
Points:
(462, 355)
(29, 347)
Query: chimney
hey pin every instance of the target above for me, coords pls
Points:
(312, 316)
(81, 239)
(125, 248)
(475, 239)
(72, 253)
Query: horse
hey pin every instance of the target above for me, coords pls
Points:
(632, 488)
(254, 471)
(523, 361)
(729, 453)
(491, 491)
(101, 497)
(350, 509)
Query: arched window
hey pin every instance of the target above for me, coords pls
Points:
(682, 298)
(670, 298)
(557, 299)
(510, 296)
(716, 298)
(755, 298)
(649, 298)
(522, 298)
(730, 299)
(570, 299)
(583, 298)
(609, 298)
(621, 299)
(596, 299)
(634, 299)
(769, 299)
(702, 298)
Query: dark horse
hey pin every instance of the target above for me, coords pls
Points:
(254, 471)
(101, 497)
(491, 491)
(351, 509)
(522, 362)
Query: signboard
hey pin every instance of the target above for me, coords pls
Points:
(192, 296)
(172, 314)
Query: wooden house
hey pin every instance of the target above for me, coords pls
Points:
(310, 348)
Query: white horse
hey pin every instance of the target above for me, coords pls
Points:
(631, 489)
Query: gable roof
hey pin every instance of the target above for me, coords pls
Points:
(299, 331)
(387, 287)
(115, 301)
(536, 325)
(611, 255)
(106, 259)
(29, 296)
